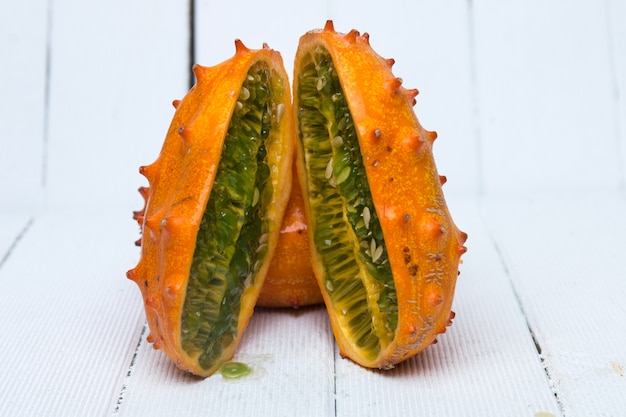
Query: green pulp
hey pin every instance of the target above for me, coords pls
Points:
(347, 233)
(232, 239)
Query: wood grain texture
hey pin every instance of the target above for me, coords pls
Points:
(289, 352)
(69, 318)
(565, 259)
(545, 93)
(115, 68)
(24, 48)
(529, 102)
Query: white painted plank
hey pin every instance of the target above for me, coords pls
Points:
(116, 67)
(547, 118)
(566, 259)
(289, 351)
(616, 11)
(69, 317)
(23, 30)
(484, 365)
(219, 23)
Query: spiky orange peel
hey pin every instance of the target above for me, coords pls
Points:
(385, 250)
(214, 205)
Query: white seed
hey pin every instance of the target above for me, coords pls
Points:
(320, 84)
(255, 197)
(341, 125)
(261, 248)
(337, 141)
(264, 238)
(378, 253)
(332, 182)
(372, 247)
(329, 285)
(280, 110)
(329, 169)
(248, 282)
(239, 105)
(367, 217)
(244, 94)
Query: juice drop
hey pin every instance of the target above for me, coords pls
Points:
(233, 370)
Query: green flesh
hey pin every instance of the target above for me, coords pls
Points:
(347, 234)
(232, 239)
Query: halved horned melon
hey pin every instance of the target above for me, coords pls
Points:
(214, 205)
(385, 250)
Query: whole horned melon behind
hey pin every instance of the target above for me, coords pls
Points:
(385, 250)
(213, 208)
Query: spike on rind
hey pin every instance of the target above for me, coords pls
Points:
(144, 191)
(394, 84)
(197, 71)
(411, 94)
(431, 136)
(329, 26)
(176, 104)
(153, 222)
(390, 62)
(443, 179)
(413, 142)
(352, 36)
(185, 133)
(138, 215)
(435, 299)
(365, 37)
(132, 274)
(149, 171)
(452, 316)
(240, 47)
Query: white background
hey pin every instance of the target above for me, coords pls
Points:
(529, 101)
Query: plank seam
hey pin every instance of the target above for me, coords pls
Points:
(507, 271)
(16, 241)
(129, 372)
(46, 95)
(192, 42)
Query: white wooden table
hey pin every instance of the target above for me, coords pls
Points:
(529, 100)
